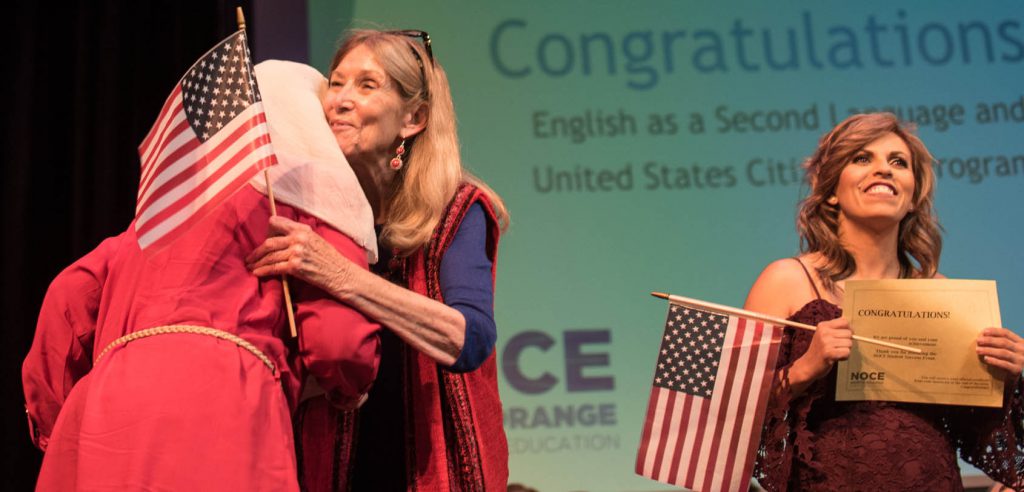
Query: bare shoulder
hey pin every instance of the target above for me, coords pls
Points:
(781, 288)
(939, 275)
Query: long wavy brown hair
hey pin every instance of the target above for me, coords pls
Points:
(920, 241)
(433, 166)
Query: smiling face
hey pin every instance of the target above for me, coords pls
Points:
(877, 185)
(364, 110)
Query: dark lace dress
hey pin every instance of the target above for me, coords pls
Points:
(812, 442)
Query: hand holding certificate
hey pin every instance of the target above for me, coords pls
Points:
(1004, 351)
(940, 316)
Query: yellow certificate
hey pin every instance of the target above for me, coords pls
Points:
(943, 318)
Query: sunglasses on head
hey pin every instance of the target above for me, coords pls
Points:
(422, 36)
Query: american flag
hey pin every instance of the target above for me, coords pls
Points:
(706, 409)
(211, 137)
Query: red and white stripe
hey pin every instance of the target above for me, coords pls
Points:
(183, 178)
(169, 131)
(708, 444)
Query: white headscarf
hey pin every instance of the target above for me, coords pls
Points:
(312, 174)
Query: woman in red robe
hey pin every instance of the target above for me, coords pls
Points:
(175, 369)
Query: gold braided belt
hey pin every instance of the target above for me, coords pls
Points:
(198, 330)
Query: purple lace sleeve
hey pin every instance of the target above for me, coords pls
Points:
(810, 441)
(785, 435)
(992, 439)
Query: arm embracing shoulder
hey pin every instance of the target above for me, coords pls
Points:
(338, 344)
(61, 352)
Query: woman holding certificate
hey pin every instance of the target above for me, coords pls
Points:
(869, 215)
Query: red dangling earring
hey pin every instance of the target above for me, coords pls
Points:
(396, 162)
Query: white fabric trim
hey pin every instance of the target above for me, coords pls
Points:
(312, 174)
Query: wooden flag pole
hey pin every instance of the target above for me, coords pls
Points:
(769, 319)
(284, 278)
(273, 212)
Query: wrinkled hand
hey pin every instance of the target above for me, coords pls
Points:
(295, 249)
(1003, 350)
(831, 343)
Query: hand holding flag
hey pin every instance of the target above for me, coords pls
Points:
(711, 384)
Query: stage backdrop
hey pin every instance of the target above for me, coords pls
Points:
(655, 145)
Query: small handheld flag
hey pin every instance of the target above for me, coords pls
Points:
(710, 390)
(211, 137)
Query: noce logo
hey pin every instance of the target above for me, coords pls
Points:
(867, 376)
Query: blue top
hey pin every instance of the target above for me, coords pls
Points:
(467, 286)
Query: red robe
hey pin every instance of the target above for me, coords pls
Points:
(186, 411)
(456, 439)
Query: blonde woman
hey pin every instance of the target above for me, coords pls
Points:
(433, 419)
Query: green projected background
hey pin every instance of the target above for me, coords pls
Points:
(655, 145)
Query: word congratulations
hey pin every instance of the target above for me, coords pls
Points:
(888, 313)
(518, 50)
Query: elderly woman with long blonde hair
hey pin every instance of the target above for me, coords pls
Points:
(869, 215)
(433, 419)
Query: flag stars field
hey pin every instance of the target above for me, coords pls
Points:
(199, 152)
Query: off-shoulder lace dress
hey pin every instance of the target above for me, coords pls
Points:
(813, 442)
